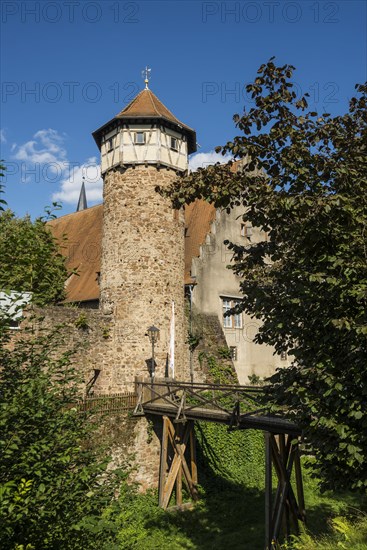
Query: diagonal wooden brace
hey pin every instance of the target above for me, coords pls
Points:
(177, 438)
(284, 456)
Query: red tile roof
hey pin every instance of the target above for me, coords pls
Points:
(199, 216)
(83, 232)
(82, 248)
(147, 105)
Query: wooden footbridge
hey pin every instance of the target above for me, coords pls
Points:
(180, 404)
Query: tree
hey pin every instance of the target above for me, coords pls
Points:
(2, 201)
(304, 182)
(54, 483)
(31, 260)
(51, 494)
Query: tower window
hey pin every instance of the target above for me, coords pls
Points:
(109, 144)
(13, 324)
(140, 138)
(174, 144)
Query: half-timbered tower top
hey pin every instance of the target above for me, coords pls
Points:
(145, 132)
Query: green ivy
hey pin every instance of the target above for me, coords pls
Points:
(236, 455)
(82, 321)
(219, 372)
(150, 431)
(193, 341)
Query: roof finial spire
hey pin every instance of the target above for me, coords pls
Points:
(146, 75)
(82, 202)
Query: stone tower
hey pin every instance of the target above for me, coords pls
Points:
(142, 268)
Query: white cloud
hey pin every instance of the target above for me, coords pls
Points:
(2, 136)
(201, 160)
(44, 158)
(72, 182)
(46, 151)
(46, 147)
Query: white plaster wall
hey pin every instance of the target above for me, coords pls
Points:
(156, 149)
(214, 281)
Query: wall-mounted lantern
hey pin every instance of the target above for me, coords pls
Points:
(153, 333)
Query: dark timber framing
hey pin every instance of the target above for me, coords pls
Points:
(285, 510)
(180, 404)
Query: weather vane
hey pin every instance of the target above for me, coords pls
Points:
(146, 75)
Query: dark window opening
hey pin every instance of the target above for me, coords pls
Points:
(140, 138)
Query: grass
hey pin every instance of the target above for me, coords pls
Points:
(345, 534)
(230, 517)
(230, 513)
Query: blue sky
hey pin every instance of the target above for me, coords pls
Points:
(70, 66)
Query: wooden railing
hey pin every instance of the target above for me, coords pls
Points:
(187, 397)
(113, 403)
(240, 407)
(235, 405)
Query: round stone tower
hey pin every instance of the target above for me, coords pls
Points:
(142, 266)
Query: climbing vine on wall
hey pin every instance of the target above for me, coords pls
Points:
(219, 372)
(237, 455)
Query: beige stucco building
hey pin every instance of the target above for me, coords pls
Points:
(215, 288)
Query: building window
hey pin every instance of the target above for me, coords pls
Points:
(283, 356)
(246, 230)
(233, 350)
(140, 138)
(232, 321)
(237, 320)
(13, 324)
(109, 145)
(174, 144)
(227, 321)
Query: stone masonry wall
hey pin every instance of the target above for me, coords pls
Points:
(141, 274)
(132, 441)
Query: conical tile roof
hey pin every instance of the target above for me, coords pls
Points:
(147, 105)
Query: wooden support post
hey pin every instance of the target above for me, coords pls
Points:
(283, 451)
(280, 461)
(179, 431)
(164, 460)
(268, 493)
(179, 487)
(299, 483)
(176, 438)
(280, 451)
(194, 468)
